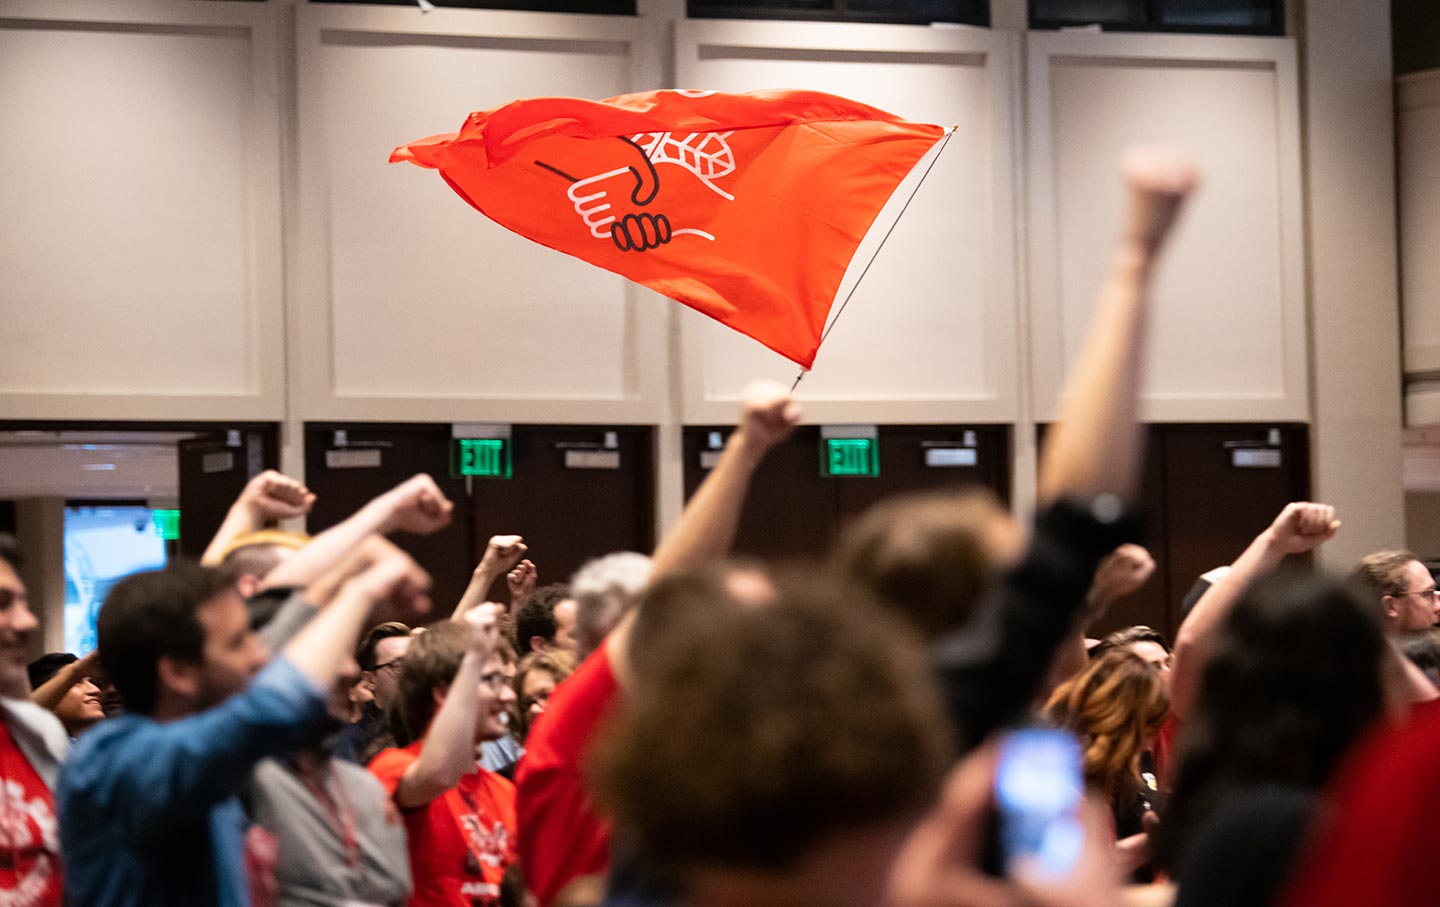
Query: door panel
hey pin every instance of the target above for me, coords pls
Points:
(1201, 509)
(794, 511)
(566, 515)
(1214, 508)
(399, 451)
(214, 467)
(569, 515)
(790, 511)
(903, 468)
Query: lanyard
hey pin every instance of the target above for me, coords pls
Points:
(340, 815)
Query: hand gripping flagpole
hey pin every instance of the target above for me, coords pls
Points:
(838, 312)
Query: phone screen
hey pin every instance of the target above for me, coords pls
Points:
(1038, 785)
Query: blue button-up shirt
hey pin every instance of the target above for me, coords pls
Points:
(149, 813)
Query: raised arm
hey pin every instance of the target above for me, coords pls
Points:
(1097, 445)
(49, 694)
(991, 670)
(170, 774)
(1300, 527)
(706, 529)
(501, 555)
(376, 576)
(1122, 572)
(449, 749)
(268, 497)
(415, 505)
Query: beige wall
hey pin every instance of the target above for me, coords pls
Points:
(1354, 308)
(237, 247)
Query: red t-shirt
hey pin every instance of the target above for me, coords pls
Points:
(563, 836)
(29, 835)
(1375, 842)
(461, 842)
(1166, 743)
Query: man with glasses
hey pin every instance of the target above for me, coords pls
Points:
(1402, 587)
(379, 657)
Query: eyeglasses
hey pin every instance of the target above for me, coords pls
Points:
(392, 663)
(1432, 592)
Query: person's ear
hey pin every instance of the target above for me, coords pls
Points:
(1390, 607)
(179, 677)
(248, 584)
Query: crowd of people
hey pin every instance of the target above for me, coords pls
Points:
(920, 719)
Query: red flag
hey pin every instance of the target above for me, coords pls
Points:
(747, 207)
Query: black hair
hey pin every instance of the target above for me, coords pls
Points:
(47, 666)
(149, 616)
(365, 654)
(1128, 636)
(1293, 681)
(537, 617)
(10, 551)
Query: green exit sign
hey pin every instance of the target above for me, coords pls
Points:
(487, 458)
(167, 524)
(850, 457)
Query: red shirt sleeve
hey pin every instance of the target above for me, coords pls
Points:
(562, 834)
(389, 765)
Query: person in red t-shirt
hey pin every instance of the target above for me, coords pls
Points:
(454, 693)
(32, 742)
(563, 836)
(1375, 842)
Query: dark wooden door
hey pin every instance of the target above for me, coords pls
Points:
(347, 464)
(1203, 504)
(566, 514)
(795, 512)
(1223, 486)
(214, 467)
(576, 493)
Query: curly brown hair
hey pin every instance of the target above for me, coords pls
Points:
(1116, 706)
(757, 731)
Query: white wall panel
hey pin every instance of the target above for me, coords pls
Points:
(1419, 154)
(1228, 339)
(140, 246)
(413, 305)
(930, 333)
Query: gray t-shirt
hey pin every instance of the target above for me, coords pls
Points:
(313, 866)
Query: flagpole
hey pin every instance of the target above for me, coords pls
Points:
(838, 312)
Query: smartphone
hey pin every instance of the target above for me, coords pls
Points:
(1039, 783)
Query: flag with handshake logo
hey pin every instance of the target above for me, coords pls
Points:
(746, 207)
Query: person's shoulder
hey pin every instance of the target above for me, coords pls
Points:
(44, 730)
(101, 751)
(389, 765)
(496, 782)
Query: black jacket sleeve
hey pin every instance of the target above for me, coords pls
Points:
(991, 670)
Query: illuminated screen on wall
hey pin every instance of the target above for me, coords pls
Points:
(103, 544)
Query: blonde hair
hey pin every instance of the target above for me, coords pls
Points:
(1116, 706)
(257, 553)
(1383, 573)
